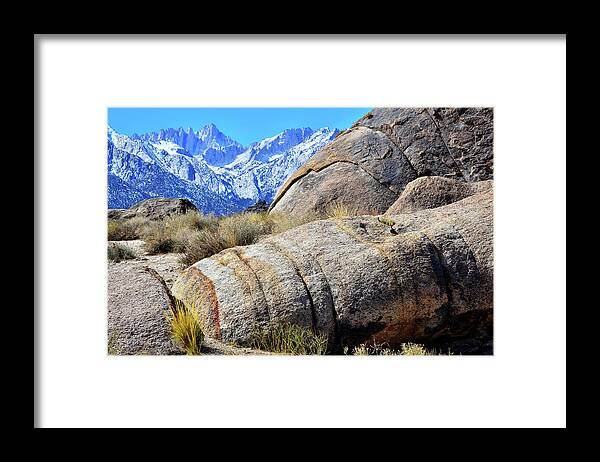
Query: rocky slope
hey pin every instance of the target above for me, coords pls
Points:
(370, 164)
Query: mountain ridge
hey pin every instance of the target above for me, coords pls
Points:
(213, 170)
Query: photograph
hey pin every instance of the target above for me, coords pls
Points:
(300, 231)
(297, 231)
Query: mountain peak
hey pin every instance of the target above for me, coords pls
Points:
(209, 129)
(174, 162)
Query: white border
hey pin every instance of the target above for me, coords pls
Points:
(522, 385)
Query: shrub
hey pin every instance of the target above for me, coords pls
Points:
(244, 228)
(240, 229)
(157, 238)
(118, 252)
(113, 230)
(186, 328)
(176, 232)
(182, 228)
(374, 350)
(406, 349)
(289, 339)
(199, 236)
(192, 220)
(126, 230)
(414, 349)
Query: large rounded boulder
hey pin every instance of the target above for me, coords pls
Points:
(428, 192)
(369, 165)
(138, 324)
(420, 277)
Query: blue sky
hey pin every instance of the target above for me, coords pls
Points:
(245, 125)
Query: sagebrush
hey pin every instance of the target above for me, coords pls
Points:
(174, 233)
(126, 230)
(118, 252)
(199, 236)
(406, 349)
(235, 230)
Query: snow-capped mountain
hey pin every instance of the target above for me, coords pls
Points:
(208, 143)
(214, 171)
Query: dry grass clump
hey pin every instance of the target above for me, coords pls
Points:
(126, 230)
(235, 230)
(117, 252)
(241, 229)
(198, 236)
(289, 339)
(414, 349)
(386, 220)
(337, 209)
(157, 238)
(114, 347)
(176, 232)
(184, 227)
(186, 328)
(281, 222)
(406, 349)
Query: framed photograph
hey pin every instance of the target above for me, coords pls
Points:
(278, 240)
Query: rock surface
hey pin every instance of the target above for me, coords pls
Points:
(259, 206)
(136, 305)
(428, 192)
(137, 325)
(426, 277)
(154, 209)
(370, 164)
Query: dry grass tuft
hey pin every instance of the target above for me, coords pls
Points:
(386, 220)
(281, 222)
(337, 209)
(235, 230)
(406, 349)
(289, 339)
(183, 228)
(114, 348)
(198, 236)
(117, 252)
(157, 238)
(126, 230)
(414, 349)
(176, 232)
(186, 328)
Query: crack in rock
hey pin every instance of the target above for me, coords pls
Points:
(318, 170)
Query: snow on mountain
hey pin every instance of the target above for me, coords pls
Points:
(214, 171)
(260, 170)
(273, 146)
(207, 143)
(137, 171)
